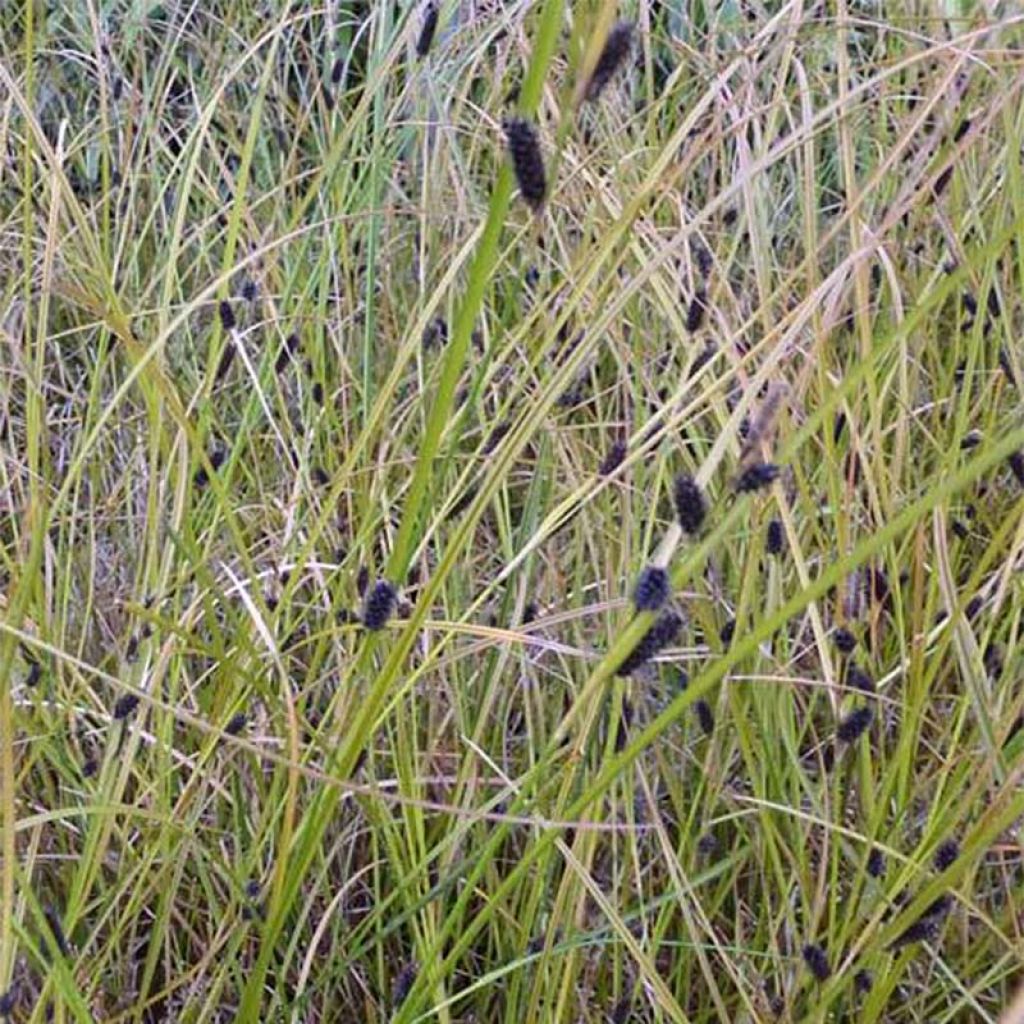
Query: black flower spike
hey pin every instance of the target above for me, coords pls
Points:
(227, 315)
(125, 706)
(946, 854)
(858, 679)
(495, 436)
(227, 357)
(7, 1003)
(876, 863)
(854, 725)
(53, 920)
(435, 333)
(921, 930)
(625, 721)
(757, 476)
(319, 476)
(337, 69)
(288, 349)
(689, 501)
(613, 459)
(705, 716)
(695, 311)
(526, 160)
(616, 50)
(217, 457)
(404, 982)
(845, 641)
(428, 30)
(653, 588)
(727, 632)
(1006, 366)
(817, 961)
(35, 671)
(663, 631)
(926, 927)
(773, 540)
(379, 605)
(362, 580)
(862, 982)
(236, 724)
(250, 290)
(1016, 461)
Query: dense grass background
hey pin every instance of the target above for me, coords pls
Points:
(791, 232)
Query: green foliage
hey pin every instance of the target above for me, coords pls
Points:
(787, 236)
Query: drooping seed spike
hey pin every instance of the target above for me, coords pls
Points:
(817, 961)
(227, 315)
(689, 501)
(664, 631)
(653, 588)
(613, 54)
(757, 476)
(428, 29)
(854, 725)
(379, 605)
(527, 161)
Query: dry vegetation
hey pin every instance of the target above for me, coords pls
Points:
(287, 353)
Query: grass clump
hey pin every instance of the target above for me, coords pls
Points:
(355, 356)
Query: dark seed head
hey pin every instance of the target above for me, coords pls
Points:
(946, 854)
(727, 632)
(227, 357)
(250, 290)
(320, 477)
(773, 537)
(362, 580)
(689, 502)
(317, 392)
(435, 333)
(817, 961)
(428, 29)
(862, 982)
(35, 671)
(495, 436)
(695, 311)
(404, 982)
(1016, 461)
(757, 476)
(227, 315)
(664, 631)
(854, 725)
(616, 50)
(858, 679)
(236, 724)
(625, 721)
(845, 641)
(838, 426)
(653, 588)
(7, 1002)
(379, 605)
(288, 349)
(708, 844)
(53, 920)
(876, 863)
(705, 716)
(337, 69)
(125, 706)
(527, 161)
(613, 459)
